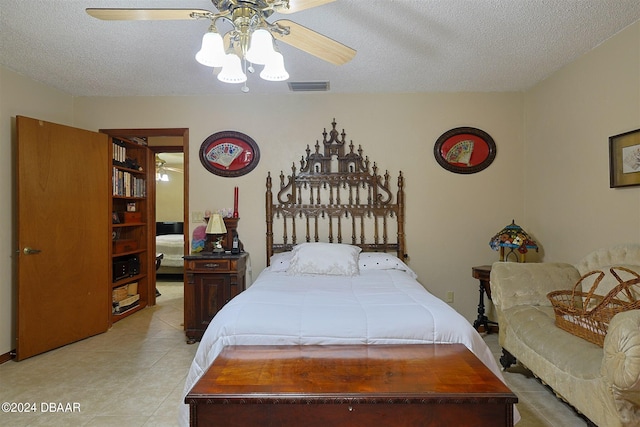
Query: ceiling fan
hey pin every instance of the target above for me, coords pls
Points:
(251, 38)
(162, 168)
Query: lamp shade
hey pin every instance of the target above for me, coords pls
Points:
(216, 225)
(212, 52)
(514, 238)
(232, 70)
(274, 69)
(261, 47)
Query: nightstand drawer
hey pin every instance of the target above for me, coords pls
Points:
(209, 265)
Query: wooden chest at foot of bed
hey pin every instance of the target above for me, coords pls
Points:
(350, 385)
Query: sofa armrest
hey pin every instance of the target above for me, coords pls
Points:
(621, 362)
(515, 283)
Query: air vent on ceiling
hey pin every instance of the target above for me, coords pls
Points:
(308, 86)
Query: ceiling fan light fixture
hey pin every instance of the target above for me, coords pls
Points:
(232, 70)
(246, 17)
(260, 47)
(161, 173)
(274, 70)
(211, 54)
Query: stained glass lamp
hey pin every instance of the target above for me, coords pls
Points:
(512, 242)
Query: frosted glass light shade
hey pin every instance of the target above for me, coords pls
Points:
(232, 70)
(211, 53)
(274, 69)
(260, 47)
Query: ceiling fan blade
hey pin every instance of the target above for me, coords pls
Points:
(315, 43)
(298, 5)
(147, 14)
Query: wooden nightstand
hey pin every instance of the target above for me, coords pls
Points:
(482, 273)
(211, 280)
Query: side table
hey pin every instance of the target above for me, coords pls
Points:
(211, 280)
(482, 273)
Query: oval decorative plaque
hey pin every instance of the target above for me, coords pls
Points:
(229, 154)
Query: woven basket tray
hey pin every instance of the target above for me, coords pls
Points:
(587, 314)
(120, 293)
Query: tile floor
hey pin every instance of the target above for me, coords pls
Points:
(133, 375)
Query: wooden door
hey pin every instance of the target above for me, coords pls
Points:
(63, 242)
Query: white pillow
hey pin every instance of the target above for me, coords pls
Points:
(383, 261)
(324, 258)
(280, 261)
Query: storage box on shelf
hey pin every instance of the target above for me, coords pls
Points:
(130, 217)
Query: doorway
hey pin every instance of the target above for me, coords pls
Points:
(169, 202)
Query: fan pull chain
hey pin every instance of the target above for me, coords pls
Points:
(245, 88)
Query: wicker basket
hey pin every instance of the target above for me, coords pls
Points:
(587, 314)
(119, 293)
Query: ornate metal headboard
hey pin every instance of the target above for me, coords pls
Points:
(338, 196)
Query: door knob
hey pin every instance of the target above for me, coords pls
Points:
(31, 251)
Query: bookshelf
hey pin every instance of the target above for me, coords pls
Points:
(130, 210)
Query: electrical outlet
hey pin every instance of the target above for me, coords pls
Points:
(197, 216)
(449, 297)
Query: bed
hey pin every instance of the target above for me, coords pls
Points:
(337, 272)
(170, 243)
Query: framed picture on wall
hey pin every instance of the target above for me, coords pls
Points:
(465, 150)
(624, 159)
(229, 154)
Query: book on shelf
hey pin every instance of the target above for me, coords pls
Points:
(128, 185)
(119, 152)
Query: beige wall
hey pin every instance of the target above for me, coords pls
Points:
(550, 173)
(569, 118)
(18, 96)
(169, 201)
(449, 217)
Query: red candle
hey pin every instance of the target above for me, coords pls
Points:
(235, 202)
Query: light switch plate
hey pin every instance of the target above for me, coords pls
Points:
(197, 216)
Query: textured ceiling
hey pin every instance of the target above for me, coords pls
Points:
(403, 45)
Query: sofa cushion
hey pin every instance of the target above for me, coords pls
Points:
(529, 283)
(622, 351)
(535, 327)
(609, 281)
(615, 255)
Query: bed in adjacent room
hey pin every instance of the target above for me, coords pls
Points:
(170, 243)
(336, 271)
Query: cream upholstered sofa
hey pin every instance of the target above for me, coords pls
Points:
(601, 383)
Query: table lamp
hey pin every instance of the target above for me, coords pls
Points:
(512, 241)
(216, 226)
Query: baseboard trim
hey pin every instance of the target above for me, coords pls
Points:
(7, 356)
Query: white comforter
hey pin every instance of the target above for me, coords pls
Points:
(172, 247)
(376, 307)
